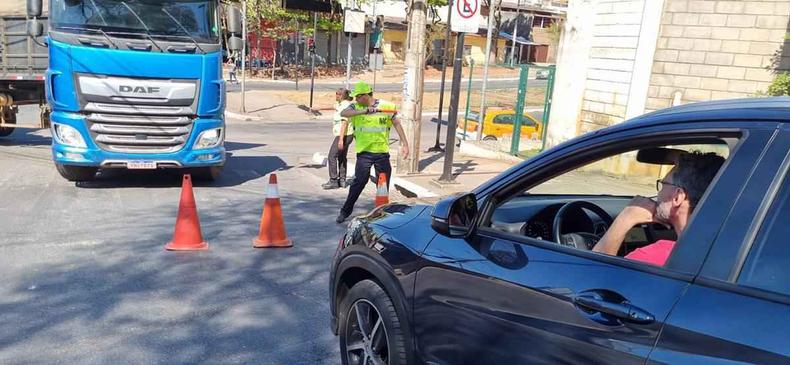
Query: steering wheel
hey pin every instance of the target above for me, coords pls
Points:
(580, 240)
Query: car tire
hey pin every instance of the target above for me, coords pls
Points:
(489, 138)
(77, 173)
(380, 315)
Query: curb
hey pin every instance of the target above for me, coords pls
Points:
(245, 117)
(410, 189)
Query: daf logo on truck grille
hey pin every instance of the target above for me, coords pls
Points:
(138, 89)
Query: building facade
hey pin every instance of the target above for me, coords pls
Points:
(636, 56)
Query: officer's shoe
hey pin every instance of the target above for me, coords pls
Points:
(341, 217)
(343, 183)
(331, 184)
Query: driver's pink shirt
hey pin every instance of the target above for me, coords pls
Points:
(655, 253)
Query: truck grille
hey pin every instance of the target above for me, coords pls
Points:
(138, 129)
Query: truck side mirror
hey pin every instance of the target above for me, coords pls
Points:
(235, 24)
(34, 28)
(34, 8)
(235, 43)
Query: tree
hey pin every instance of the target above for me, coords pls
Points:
(267, 18)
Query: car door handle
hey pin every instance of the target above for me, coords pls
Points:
(623, 310)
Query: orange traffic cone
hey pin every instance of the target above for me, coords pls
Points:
(382, 193)
(272, 232)
(187, 236)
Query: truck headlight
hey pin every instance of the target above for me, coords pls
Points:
(68, 135)
(209, 138)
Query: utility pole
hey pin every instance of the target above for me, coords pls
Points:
(481, 114)
(243, 54)
(515, 33)
(445, 53)
(375, 49)
(311, 48)
(452, 119)
(411, 108)
(297, 59)
(348, 61)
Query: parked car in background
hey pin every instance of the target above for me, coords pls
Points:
(498, 123)
(506, 274)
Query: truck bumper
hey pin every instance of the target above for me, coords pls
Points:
(92, 155)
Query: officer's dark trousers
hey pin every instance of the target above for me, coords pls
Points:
(337, 159)
(381, 163)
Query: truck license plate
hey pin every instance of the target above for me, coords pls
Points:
(141, 165)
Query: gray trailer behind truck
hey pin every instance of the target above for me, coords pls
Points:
(23, 62)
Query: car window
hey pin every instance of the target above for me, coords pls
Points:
(618, 175)
(767, 266)
(600, 190)
(510, 119)
(504, 119)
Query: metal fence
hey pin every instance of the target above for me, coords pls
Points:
(515, 115)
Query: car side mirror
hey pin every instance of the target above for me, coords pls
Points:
(455, 216)
(34, 28)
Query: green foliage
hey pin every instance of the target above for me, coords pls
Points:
(780, 86)
(269, 19)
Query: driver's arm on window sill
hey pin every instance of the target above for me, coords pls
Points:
(640, 210)
(613, 238)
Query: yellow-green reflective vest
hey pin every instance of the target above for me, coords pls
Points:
(372, 131)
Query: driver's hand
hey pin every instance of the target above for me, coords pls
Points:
(639, 211)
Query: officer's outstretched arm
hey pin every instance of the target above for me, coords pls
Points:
(351, 112)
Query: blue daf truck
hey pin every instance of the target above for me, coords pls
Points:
(134, 84)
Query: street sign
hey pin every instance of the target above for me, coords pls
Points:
(354, 21)
(465, 16)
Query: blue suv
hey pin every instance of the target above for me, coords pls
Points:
(514, 272)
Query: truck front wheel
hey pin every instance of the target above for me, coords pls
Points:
(77, 173)
(8, 117)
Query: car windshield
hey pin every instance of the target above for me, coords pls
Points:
(161, 18)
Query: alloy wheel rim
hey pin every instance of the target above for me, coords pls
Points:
(366, 337)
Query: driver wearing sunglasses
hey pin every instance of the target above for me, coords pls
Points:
(678, 194)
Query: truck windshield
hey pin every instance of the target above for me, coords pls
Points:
(160, 18)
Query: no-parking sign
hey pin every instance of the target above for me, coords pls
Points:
(465, 16)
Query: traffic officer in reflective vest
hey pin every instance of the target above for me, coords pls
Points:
(372, 120)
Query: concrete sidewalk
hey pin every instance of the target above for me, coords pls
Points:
(468, 173)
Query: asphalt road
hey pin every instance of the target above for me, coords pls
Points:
(431, 85)
(86, 278)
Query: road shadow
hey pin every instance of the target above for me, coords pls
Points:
(462, 167)
(125, 299)
(237, 146)
(25, 137)
(425, 162)
(238, 170)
